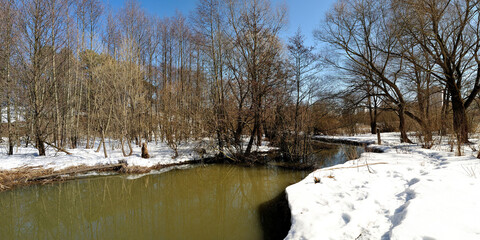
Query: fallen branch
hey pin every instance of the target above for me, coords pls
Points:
(77, 171)
(58, 148)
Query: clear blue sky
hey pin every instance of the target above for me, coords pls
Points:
(305, 14)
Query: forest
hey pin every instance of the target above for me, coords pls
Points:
(74, 73)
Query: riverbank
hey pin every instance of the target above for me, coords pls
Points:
(26, 167)
(404, 193)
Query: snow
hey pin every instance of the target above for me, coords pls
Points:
(404, 193)
(159, 154)
(28, 157)
(14, 115)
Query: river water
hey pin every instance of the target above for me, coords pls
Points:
(200, 202)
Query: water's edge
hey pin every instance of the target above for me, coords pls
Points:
(274, 214)
(366, 145)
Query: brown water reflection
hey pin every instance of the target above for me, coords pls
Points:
(213, 202)
(202, 202)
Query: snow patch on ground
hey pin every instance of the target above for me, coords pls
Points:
(14, 116)
(405, 193)
(159, 154)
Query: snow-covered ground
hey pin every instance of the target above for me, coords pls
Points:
(405, 193)
(15, 115)
(159, 154)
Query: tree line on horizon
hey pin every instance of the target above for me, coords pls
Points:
(416, 58)
(73, 71)
(76, 71)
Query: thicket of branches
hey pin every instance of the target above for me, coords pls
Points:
(76, 73)
(417, 58)
(73, 72)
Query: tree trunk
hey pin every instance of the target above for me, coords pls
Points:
(460, 122)
(373, 119)
(401, 127)
(129, 147)
(238, 132)
(256, 121)
(427, 136)
(123, 147)
(104, 147)
(444, 112)
(259, 134)
(9, 109)
(220, 142)
(240, 125)
(252, 137)
(145, 151)
(88, 116)
(372, 114)
(99, 145)
(373, 127)
(40, 146)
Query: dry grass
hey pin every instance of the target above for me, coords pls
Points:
(21, 176)
(136, 170)
(358, 166)
(351, 153)
(331, 176)
(471, 171)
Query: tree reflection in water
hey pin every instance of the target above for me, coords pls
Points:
(202, 202)
(213, 202)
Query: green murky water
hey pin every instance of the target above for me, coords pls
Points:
(212, 202)
(201, 202)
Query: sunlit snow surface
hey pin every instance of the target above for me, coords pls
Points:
(405, 193)
(160, 153)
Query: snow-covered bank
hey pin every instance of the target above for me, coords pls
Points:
(28, 157)
(405, 193)
(160, 154)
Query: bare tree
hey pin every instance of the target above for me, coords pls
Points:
(105, 94)
(363, 30)
(255, 26)
(34, 26)
(91, 11)
(210, 23)
(8, 15)
(447, 33)
(305, 68)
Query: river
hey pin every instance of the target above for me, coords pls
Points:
(200, 202)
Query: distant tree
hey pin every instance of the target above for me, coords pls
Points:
(305, 68)
(255, 26)
(34, 25)
(209, 21)
(91, 11)
(104, 104)
(8, 37)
